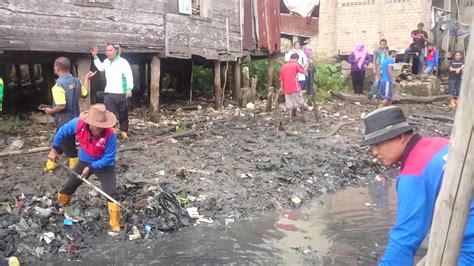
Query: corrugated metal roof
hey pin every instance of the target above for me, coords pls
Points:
(299, 26)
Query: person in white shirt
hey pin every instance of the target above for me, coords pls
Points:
(303, 60)
(118, 75)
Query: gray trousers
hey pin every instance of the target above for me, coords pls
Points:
(108, 181)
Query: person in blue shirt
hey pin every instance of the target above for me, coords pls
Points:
(431, 60)
(387, 78)
(422, 161)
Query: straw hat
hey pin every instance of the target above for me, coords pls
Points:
(98, 116)
(383, 124)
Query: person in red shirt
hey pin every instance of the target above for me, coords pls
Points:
(290, 85)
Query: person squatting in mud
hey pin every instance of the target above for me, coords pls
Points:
(291, 86)
(66, 93)
(95, 133)
(393, 141)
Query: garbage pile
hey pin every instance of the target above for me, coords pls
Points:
(33, 228)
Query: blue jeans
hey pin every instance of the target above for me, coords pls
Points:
(454, 86)
(428, 71)
(375, 88)
(421, 58)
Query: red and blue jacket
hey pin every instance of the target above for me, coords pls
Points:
(418, 185)
(96, 152)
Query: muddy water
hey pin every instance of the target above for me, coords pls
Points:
(346, 228)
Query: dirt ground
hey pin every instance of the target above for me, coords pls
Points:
(230, 164)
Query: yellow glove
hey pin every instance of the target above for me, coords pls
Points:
(50, 166)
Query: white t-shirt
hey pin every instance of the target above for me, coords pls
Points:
(302, 60)
(118, 74)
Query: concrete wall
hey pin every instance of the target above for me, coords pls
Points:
(343, 23)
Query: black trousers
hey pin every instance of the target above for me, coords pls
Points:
(309, 80)
(68, 146)
(108, 181)
(358, 81)
(117, 104)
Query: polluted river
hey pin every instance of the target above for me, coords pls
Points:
(206, 187)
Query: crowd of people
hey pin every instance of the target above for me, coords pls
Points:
(381, 63)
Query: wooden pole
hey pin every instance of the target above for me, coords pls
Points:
(237, 81)
(18, 75)
(217, 83)
(84, 66)
(155, 72)
(142, 75)
(48, 78)
(191, 82)
(31, 72)
(271, 63)
(455, 196)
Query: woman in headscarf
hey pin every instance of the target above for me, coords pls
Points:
(359, 60)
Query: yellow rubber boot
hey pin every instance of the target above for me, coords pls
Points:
(64, 199)
(114, 214)
(73, 162)
(50, 166)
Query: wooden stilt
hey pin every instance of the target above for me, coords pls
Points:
(237, 82)
(270, 97)
(142, 76)
(48, 78)
(155, 71)
(18, 75)
(271, 63)
(455, 196)
(32, 73)
(217, 83)
(83, 67)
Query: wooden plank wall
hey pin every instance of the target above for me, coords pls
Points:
(206, 37)
(68, 26)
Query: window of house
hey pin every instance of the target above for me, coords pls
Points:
(185, 7)
(199, 8)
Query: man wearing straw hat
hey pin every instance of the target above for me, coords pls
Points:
(97, 154)
(422, 160)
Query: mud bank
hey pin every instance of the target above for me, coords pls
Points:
(229, 164)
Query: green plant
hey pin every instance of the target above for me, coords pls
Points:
(259, 69)
(328, 78)
(203, 79)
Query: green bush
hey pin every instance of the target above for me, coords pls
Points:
(259, 69)
(203, 79)
(328, 78)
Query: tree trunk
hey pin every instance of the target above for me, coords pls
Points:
(217, 83)
(155, 73)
